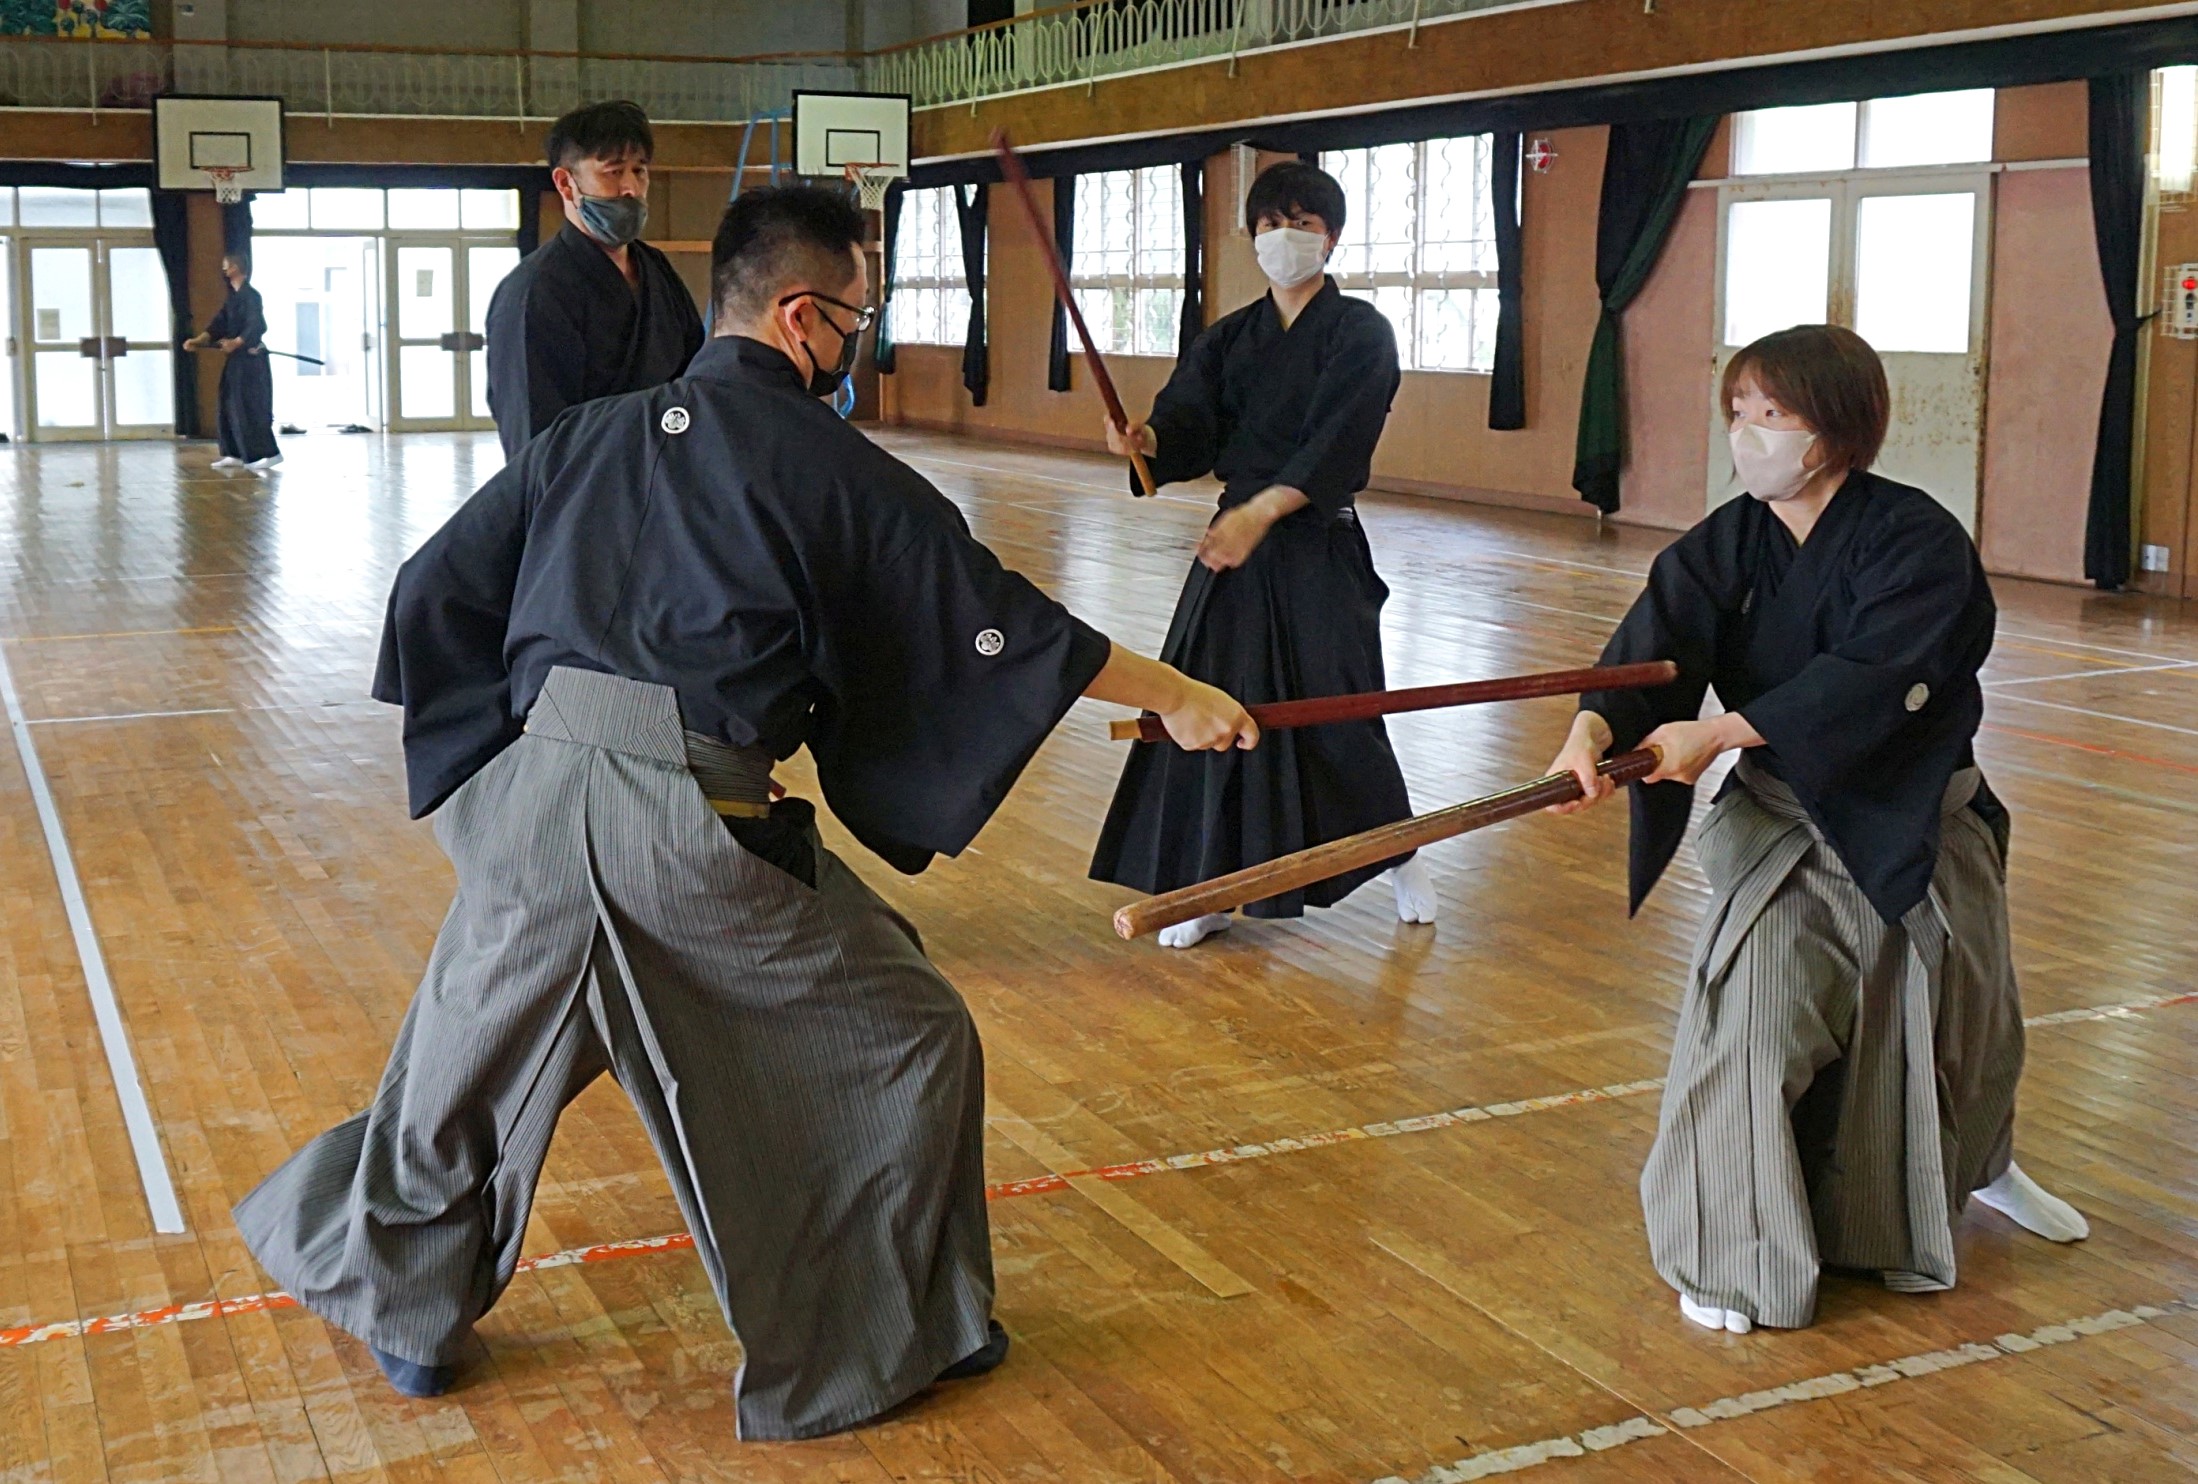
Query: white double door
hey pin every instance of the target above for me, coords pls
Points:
(436, 308)
(1900, 258)
(93, 339)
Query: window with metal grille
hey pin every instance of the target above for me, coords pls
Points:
(1419, 244)
(930, 299)
(1127, 270)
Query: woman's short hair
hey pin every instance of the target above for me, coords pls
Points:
(1827, 376)
(1290, 187)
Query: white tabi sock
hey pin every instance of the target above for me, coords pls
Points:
(1415, 893)
(2031, 1206)
(1709, 1316)
(1197, 930)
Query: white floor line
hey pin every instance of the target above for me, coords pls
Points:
(2091, 674)
(114, 1035)
(1838, 1383)
(57, 721)
(2128, 721)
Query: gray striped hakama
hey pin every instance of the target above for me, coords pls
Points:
(1838, 1085)
(814, 1087)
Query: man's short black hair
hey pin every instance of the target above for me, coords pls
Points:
(599, 131)
(775, 238)
(1290, 187)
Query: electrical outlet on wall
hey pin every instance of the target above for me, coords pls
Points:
(2153, 558)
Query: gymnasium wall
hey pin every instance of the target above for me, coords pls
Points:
(661, 27)
(2048, 330)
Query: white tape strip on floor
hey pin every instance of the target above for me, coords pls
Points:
(1838, 1383)
(114, 1036)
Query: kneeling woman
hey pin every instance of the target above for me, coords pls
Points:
(1843, 1077)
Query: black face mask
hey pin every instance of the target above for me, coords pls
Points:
(825, 381)
(614, 221)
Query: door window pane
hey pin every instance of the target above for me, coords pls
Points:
(138, 289)
(1928, 129)
(346, 209)
(61, 293)
(132, 207)
(427, 376)
(1794, 141)
(144, 389)
(58, 206)
(489, 211)
(485, 268)
(1778, 266)
(67, 389)
(426, 304)
(279, 211)
(477, 374)
(7, 206)
(1913, 258)
(428, 210)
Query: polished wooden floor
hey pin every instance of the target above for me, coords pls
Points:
(1270, 1260)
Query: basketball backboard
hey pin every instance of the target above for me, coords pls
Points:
(835, 130)
(192, 136)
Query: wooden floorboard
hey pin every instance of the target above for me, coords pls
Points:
(1425, 1302)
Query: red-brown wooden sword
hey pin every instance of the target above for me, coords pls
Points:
(1370, 847)
(1011, 167)
(1358, 707)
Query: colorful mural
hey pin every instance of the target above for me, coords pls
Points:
(87, 19)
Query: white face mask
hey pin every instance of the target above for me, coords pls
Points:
(1290, 255)
(1770, 462)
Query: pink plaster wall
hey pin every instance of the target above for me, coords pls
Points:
(1669, 332)
(2050, 336)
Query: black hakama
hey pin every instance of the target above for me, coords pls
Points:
(599, 656)
(1844, 1070)
(564, 327)
(245, 424)
(1259, 405)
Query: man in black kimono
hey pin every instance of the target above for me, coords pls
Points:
(1284, 401)
(600, 656)
(594, 311)
(245, 425)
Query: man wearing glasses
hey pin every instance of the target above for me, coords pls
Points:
(600, 657)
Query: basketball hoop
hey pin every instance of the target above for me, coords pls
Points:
(871, 181)
(223, 178)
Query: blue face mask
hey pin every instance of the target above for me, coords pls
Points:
(613, 221)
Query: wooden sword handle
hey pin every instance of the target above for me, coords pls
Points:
(1012, 169)
(1275, 715)
(1370, 847)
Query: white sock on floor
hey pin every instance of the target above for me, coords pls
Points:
(1197, 930)
(2031, 1206)
(1709, 1316)
(1415, 893)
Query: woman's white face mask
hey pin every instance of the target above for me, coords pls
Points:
(1290, 255)
(1772, 463)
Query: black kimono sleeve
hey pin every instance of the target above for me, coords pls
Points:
(946, 671)
(442, 653)
(1913, 634)
(240, 318)
(538, 357)
(1692, 585)
(1186, 416)
(1350, 404)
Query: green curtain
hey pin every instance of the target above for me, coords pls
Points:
(1645, 177)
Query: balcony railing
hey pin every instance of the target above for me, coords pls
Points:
(1099, 38)
(38, 72)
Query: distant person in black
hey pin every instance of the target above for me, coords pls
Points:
(246, 427)
(1283, 402)
(594, 311)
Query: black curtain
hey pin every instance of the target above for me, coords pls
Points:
(236, 229)
(1507, 390)
(172, 236)
(530, 222)
(970, 203)
(2118, 116)
(882, 352)
(1064, 243)
(1193, 323)
(1645, 176)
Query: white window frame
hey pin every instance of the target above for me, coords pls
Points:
(939, 274)
(1418, 277)
(1861, 113)
(1157, 264)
